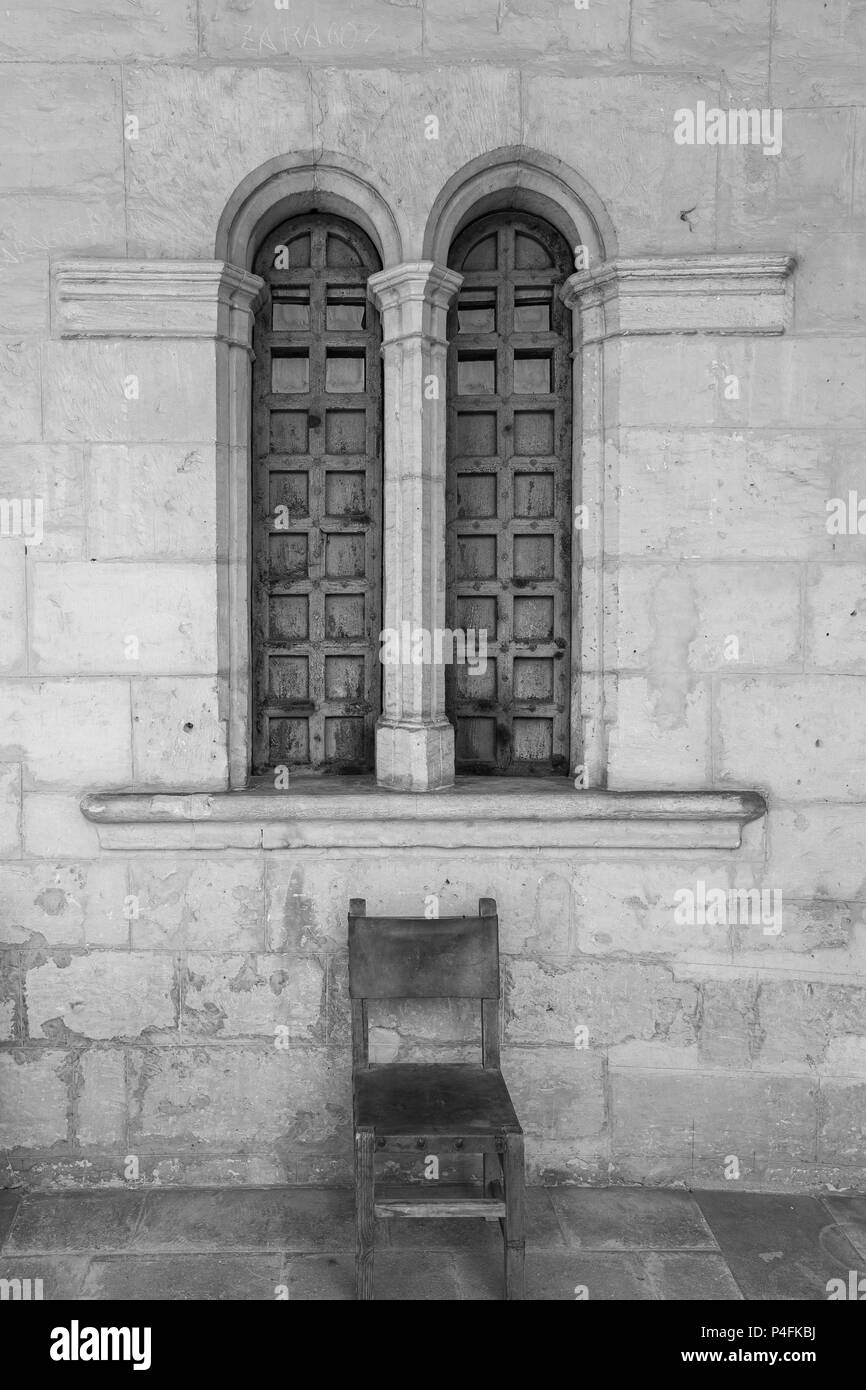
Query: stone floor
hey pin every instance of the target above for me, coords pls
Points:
(619, 1243)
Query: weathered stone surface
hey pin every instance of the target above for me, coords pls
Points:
(34, 1090)
(87, 1221)
(674, 1277)
(759, 195)
(731, 1032)
(836, 617)
(100, 1108)
(557, 1276)
(816, 55)
(661, 734)
(50, 477)
(221, 1277)
(689, 34)
(785, 383)
(623, 130)
(154, 501)
(201, 904)
(85, 383)
(631, 905)
(801, 1020)
(358, 111)
(178, 739)
(308, 897)
(558, 1094)
(123, 618)
(807, 926)
(231, 1097)
(20, 406)
(627, 1220)
(276, 996)
(666, 1123)
(831, 293)
(98, 30)
(705, 617)
(241, 117)
(61, 1278)
(36, 718)
(101, 995)
(62, 903)
(749, 1227)
(504, 30)
(72, 138)
(13, 606)
(798, 736)
(737, 494)
(10, 809)
(816, 850)
(329, 30)
(300, 1222)
(54, 826)
(613, 1001)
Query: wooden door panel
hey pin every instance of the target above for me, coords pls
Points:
(509, 514)
(317, 500)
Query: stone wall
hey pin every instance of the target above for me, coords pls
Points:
(188, 1007)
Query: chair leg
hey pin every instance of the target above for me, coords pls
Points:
(365, 1224)
(515, 1238)
(492, 1173)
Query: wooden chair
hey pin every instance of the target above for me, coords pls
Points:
(433, 1108)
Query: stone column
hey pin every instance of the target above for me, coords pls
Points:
(414, 740)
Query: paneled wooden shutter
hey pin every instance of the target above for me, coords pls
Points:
(509, 495)
(317, 500)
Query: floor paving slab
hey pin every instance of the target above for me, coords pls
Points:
(330, 1278)
(8, 1207)
(849, 1212)
(689, 1275)
(62, 1275)
(214, 1277)
(631, 1219)
(778, 1247)
(557, 1276)
(278, 1219)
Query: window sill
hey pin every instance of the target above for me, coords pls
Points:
(503, 814)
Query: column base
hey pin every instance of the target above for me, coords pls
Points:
(415, 757)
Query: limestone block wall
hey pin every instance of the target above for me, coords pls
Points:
(186, 1007)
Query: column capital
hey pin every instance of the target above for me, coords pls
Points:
(413, 299)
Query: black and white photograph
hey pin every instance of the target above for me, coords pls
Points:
(433, 669)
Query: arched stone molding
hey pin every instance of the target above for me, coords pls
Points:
(517, 177)
(296, 183)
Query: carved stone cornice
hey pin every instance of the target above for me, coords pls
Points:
(724, 293)
(99, 298)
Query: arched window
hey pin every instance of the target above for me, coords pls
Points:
(509, 495)
(317, 500)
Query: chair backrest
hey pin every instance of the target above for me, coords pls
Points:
(425, 958)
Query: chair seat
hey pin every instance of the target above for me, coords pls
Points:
(445, 1099)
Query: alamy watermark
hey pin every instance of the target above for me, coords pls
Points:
(22, 517)
(733, 127)
(21, 1290)
(719, 907)
(418, 646)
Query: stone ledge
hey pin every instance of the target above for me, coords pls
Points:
(717, 293)
(100, 298)
(354, 813)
